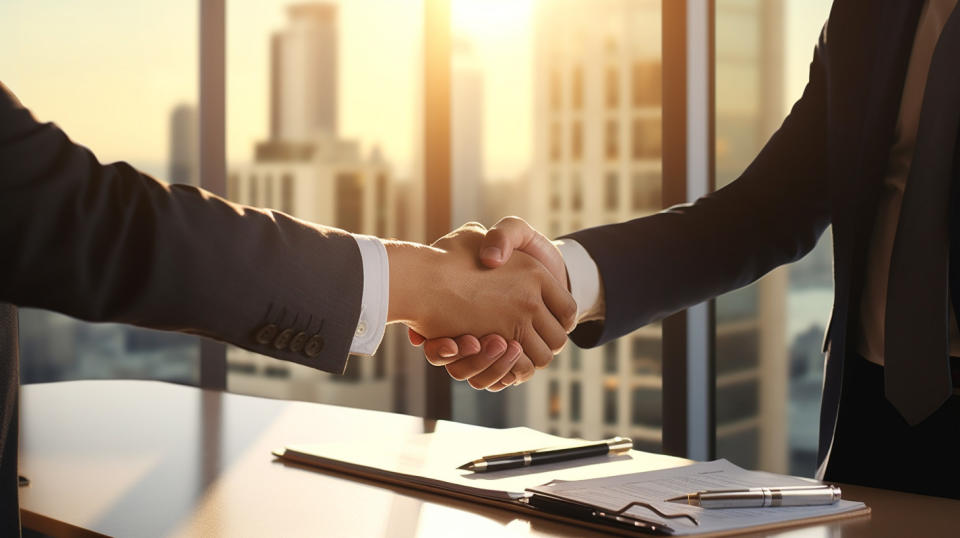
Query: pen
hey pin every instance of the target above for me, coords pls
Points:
(762, 497)
(513, 460)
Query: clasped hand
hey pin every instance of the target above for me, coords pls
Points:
(523, 307)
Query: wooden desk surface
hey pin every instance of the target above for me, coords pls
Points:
(146, 458)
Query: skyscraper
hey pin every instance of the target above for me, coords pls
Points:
(184, 163)
(303, 74)
(467, 109)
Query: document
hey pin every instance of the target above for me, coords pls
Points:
(653, 487)
(609, 483)
(430, 460)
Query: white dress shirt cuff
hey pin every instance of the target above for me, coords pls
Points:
(376, 296)
(584, 276)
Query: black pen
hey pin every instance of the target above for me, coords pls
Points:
(513, 460)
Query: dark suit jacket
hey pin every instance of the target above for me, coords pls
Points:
(823, 166)
(108, 243)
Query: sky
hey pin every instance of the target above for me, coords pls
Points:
(110, 71)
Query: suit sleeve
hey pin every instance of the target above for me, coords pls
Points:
(772, 214)
(108, 243)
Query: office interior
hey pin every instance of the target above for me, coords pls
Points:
(420, 115)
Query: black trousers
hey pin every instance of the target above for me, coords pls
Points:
(873, 445)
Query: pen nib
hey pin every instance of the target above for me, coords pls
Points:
(683, 498)
(466, 466)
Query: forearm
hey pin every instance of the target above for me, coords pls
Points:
(107, 243)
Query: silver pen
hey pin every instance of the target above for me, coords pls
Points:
(762, 497)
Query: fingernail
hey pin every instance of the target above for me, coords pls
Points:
(508, 379)
(491, 253)
(446, 353)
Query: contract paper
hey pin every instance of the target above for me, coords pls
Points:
(654, 487)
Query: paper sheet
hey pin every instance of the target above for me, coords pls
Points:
(432, 459)
(613, 493)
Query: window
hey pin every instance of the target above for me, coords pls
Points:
(610, 406)
(759, 74)
(286, 193)
(577, 90)
(575, 401)
(252, 197)
(645, 192)
(612, 140)
(382, 208)
(122, 81)
(576, 196)
(553, 400)
(555, 89)
(610, 358)
(318, 98)
(645, 355)
(555, 191)
(268, 191)
(576, 141)
(647, 84)
(233, 186)
(612, 191)
(349, 199)
(556, 151)
(645, 406)
(575, 356)
(612, 94)
(647, 138)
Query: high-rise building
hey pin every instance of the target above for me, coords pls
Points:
(184, 162)
(597, 159)
(303, 74)
(467, 109)
(306, 170)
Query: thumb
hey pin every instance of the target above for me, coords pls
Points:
(514, 233)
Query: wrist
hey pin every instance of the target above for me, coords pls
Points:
(411, 268)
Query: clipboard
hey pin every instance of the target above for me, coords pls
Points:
(525, 491)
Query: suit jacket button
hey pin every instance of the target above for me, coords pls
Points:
(314, 346)
(266, 334)
(300, 340)
(283, 339)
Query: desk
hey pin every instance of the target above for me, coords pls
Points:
(152, 459)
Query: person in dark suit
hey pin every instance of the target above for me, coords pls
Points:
(871, 147)
(108, 243)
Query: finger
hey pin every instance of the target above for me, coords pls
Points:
(415, 337)
(515, 354)
(494, 372)
(560, 303)
(506, 235)
(550, 330)
(469, 345)
(536, 349)
(492, 347)
(441, 351)
(523, 370)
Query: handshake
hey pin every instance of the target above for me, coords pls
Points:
(507, 285)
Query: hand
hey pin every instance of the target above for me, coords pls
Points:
(466, 355)
(521, 301)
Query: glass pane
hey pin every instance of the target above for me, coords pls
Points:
(323, 123)
(556, 117)
(769, 366)
(121, 79)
